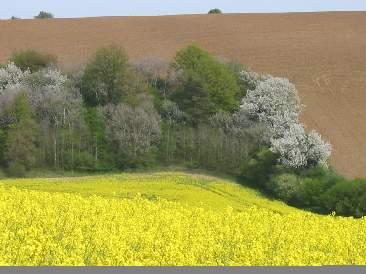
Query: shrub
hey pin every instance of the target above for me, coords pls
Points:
(285, 186)
(16, 169)
(347, 198)
(311, 192)
(318, 172)
(44, 15)
(32, 60)
(303, 187)
(258, 170)
(215, 11)
(316, 181)
(84, 161)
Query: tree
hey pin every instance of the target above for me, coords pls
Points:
(134, 130)
(105, 77)
(208, 85)
(154, 68)
(96, 123)
(252, 79)
(32, 60)
(11, 77)
(22, 134)
(45, 80)
(172, 115)
(275, 103)
(300, 149)
(11, 81)
(14, 18)
(135, 88)
(194, 101)
(44, 15)
(58, 107)
(215, 11)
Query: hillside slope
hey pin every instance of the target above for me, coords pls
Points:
(54, 228)
(322, 53)
(189, 189)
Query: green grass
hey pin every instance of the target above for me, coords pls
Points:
(187, 188)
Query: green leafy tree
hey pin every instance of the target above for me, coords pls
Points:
(44, 15)
(194, 100)
(105, 77)
(215, 11)
(237, 69)
(99, 143)
(21, 135)
(207, 86)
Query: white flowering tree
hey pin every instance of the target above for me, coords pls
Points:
(57, 104)
(252, 79)
(133, 129)
(275, 102)
(50, 95)
(298, 148)
(46, 79)
(47, 90)
(11, 77)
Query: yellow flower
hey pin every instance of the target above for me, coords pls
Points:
(41, 228)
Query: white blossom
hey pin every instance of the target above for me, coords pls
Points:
(275, 102)
(291, 147)
(298, 148)
(45, 79)
(12, 77)
(135, 129)
(252, 79)
(318, 150)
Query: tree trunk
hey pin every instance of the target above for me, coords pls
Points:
(96, 150)
(55, 150)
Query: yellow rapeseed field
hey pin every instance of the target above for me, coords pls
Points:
(59, 228)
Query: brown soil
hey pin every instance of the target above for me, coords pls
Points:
(322, 53)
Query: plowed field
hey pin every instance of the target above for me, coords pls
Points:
(322, 53)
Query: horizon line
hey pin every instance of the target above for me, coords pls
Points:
(194, 14)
